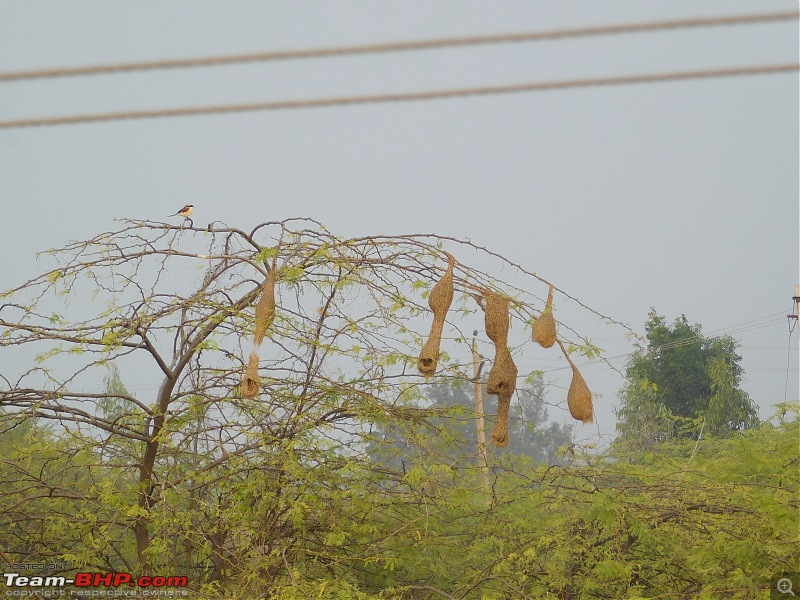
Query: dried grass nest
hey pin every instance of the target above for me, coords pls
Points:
(439, 300)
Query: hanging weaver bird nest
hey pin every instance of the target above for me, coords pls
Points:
(503, 374)
(251, 383)
(544, 328)
(579, 397)
(496, 317)
(502, 379)
(429, 355)
(439, 300)
(265, 309)
(500, 429)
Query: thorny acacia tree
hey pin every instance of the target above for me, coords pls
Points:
(152, 477)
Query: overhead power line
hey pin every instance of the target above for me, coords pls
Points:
(430, 44)
(729, 331)
(538, 86)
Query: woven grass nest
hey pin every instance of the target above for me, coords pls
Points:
(500, 430)
(496, 317)
(251, 382)
(440, 299)
(544, 328)
(265, 315)
(502, 380)
(265, 309)
(579, 397)
(503, 374)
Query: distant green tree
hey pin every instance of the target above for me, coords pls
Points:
(682, 381)
(530, 433)
(453, 431)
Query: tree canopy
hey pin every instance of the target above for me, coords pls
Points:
(173, 310)
(128, 443)
(681, 381)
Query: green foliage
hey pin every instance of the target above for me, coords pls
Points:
(702, 519)
(58, 502)
(709, 520)
(342, 478)
(680, 382)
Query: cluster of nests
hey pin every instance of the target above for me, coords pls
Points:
(502, 379)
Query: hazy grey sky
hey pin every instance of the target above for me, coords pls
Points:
(682, 196)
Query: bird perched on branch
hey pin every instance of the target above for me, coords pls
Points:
(185, 212)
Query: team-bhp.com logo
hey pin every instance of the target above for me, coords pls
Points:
(94, 580)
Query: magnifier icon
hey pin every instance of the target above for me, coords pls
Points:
(785, 586)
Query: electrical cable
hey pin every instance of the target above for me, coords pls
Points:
(769, 321)
(430, 44)
(537, 86)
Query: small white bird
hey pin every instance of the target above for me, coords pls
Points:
(185, 211)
